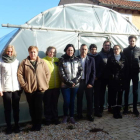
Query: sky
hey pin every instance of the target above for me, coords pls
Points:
(19, 12)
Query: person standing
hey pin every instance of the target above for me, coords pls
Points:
(70, 70)
(9, 87)
(97, 83)
(52, 94)
(34, 76)
(117, 68)
(105, 53)
(86, 83)
(132, 53)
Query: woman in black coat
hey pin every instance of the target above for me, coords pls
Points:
(117, 72)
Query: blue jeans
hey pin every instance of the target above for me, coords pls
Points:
(69, 98)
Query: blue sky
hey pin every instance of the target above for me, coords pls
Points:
(20, 11)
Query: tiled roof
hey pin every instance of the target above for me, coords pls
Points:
(75, 1)
(121, 3)
(115, 3)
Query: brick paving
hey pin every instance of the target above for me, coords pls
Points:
(127, 128)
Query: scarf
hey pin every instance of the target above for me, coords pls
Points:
(8, 59)
(117, 57)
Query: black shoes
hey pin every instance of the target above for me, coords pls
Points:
(47, 123)
(125, 111)
(136, 112)
(110, 110)
(56, 122)
(80, 117)
(98, 114)
(90, 118)
(16, 129)
(36, 127)
(8, 130)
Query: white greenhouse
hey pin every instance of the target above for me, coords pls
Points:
(72, 23)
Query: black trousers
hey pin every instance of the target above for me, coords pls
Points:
(89, 97)
(50, 104)
(11, 100)
(97, 88)
(104, 84)
(135, 80)
(116, 93)
(35, 100)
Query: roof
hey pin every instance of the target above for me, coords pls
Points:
(126, 4)
(62, 2)
(121, 3)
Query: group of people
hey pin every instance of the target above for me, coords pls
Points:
(91, 73)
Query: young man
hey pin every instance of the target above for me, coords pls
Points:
(105, 53)
(132, 53)
(86, 83)
(97, 84)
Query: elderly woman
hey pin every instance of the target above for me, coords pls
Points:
(52, 94)
(70, 71)
(117, 68)
(9, 87)
(34, 76)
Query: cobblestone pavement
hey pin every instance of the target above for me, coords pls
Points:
(127, 128)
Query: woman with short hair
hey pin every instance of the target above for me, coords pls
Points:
(70, 70)
(52, 94)
(9, 87)
(34, 76)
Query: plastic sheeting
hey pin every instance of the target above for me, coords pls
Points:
(103, 24)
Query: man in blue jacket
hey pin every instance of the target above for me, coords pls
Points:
(86, 83)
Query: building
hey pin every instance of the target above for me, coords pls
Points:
(129, 9)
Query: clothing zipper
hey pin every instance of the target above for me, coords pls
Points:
(54, 75)
(71, 69)
(11, 76)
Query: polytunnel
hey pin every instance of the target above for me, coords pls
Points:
(72, 23)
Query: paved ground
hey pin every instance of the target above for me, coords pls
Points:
(127, 128)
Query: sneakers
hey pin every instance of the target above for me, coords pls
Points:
(72, 120)
(64, 120)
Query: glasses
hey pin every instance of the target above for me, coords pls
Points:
(116, 49)
(107, 45)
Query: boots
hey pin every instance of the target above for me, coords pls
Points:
(119, 112)
(115, 114)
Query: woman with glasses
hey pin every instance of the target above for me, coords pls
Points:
(117, 74)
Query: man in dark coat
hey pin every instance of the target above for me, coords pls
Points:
(86, 83)
(97, 85)
(105, 53)
(132, 53)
